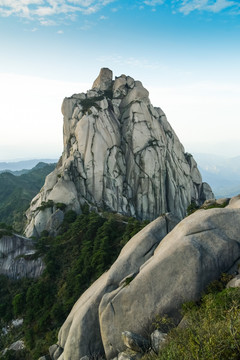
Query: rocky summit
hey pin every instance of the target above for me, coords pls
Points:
(121, 155)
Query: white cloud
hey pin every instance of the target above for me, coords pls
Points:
(48, 22)
(140, 63)
(153, 2)
(187, 6)
(60, 32)
(46, 8)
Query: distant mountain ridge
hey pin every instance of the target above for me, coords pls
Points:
(16, 193)
(223, 174)
(23, 165)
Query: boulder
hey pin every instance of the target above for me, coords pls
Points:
(55, 351)
(235, 282)
(129, 355)
(82, 325)
(196, 252)
(135, 342)
(154, 274)
(16, 346)
(157, 340)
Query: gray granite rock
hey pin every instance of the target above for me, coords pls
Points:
(162, 272)
(135, 342)
(16, 258)
(235, 282)
(121, 155)
(82, 324)
(104, 80)
(157, 340)
(129, 354)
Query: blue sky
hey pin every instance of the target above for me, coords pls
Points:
(186, 53)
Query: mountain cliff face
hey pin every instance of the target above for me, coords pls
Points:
(16, 259)
(120, 154)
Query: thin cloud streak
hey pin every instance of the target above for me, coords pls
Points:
(188, 6)
(45, 8)
(33, 9)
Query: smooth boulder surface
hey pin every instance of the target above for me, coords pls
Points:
(80, 334)
(120, 154)
(152, 276)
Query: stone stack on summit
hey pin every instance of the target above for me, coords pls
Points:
(121, 155)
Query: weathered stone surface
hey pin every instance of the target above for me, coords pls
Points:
(197, 251)
(85, 358)
(164, 274)
(15, 258)
(157, 340)
(120, 154)
(235, 282)
(82, 324)
(129, 355)
(55, 351)
(222, 201)
(104, 80)
(135, 342)
(16, 346)
(234, 203)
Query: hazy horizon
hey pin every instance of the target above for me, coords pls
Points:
(185, 53)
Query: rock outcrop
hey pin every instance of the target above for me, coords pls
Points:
(154, 274)
(17, 257)
(120, 154)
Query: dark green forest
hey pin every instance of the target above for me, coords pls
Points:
(16, 192)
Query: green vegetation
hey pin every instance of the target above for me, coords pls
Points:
(49, 204)
(16, 192)
(61, 206)
(89, 102)
(193, 207)
(210, 329)
(87, 246)
(45, 204)
(5, 229)
(213, 206)
(128, 280)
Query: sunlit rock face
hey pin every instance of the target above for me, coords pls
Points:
(17, 258)
(120, 154)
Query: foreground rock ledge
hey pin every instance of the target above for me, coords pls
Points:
(154, 274)
(120, 155)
